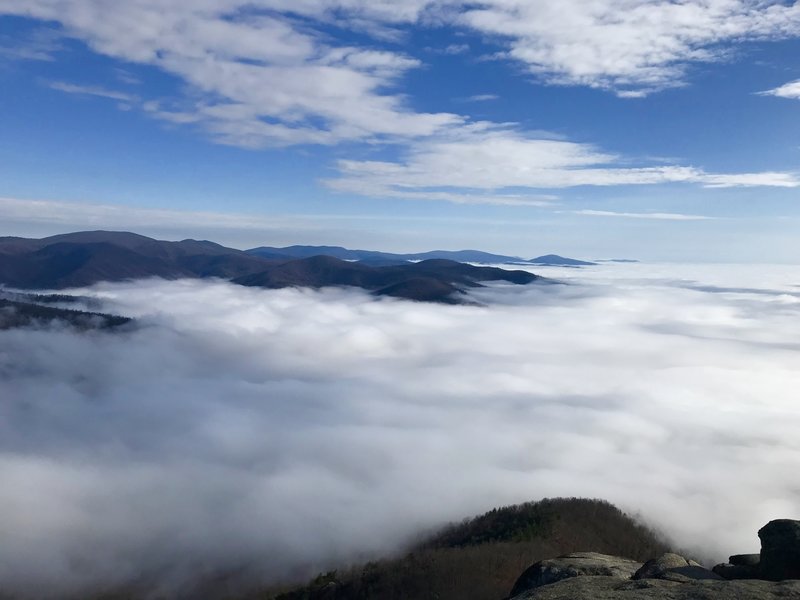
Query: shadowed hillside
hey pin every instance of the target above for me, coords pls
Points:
(435, 280)
(480, 558)
(15, 314)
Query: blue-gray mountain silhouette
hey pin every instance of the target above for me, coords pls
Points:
(375, 257)
(85, 258)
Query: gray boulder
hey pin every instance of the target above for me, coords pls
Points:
(740, 566)
(780, 550)
(745, 560)
(577, 564)
(731, 571)
(674, 567)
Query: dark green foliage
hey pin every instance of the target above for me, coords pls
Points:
(52, 298)
(519, 523)
(596, 521)
(26, 314)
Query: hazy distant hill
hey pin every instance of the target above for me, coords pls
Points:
(556, 260)
(334, 251)
(371, 256)
(80, 259)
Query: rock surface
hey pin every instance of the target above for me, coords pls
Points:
(780, 550)
(774, 573)
(731, 571)
(740, 566)
(745, 560)
(674, 567)
(612, 588)
(577, 564)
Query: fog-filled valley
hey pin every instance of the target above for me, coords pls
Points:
(282, 432)
(399, 300)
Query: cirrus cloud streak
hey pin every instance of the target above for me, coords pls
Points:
(483, 157)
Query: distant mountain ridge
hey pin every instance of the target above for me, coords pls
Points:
(556, 260)
(370, 256)
(84, 258)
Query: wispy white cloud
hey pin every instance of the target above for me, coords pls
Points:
(632, 47)
(41, 44)
(658, 216)
(456, 49)
(464, 197)
(126, 77)
(483, 157)
(482, 98)
(91, 90)
(769, 179)
(261, 79)
(257, 78)
(789, 90)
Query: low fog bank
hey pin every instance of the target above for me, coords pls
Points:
(285, 431)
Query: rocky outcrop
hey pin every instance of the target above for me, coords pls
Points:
(612, 588)
(731, 571)
(674, 567)
(740, 566)
(779, 558)
(577, 564)
(772, 574)
(780, 550)
(745, 560)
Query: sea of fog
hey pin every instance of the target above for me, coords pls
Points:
(287, 431)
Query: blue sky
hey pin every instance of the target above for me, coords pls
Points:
(645, 128)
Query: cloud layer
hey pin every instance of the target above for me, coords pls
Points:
(284, 431)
